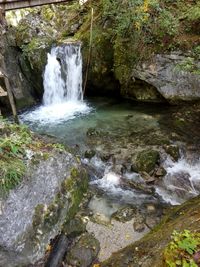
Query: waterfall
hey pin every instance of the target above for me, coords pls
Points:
(63, 75)
(63, 96)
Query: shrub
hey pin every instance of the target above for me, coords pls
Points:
(182, 248)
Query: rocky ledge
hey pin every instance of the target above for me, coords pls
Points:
(37, 210)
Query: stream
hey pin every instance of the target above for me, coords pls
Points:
(108, 134)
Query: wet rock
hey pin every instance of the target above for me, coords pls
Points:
(151, 221)
(139, 223)
(146, 160)
(148, 178)
(120, 169)
(173, 151)
(74, 227)
(134, 168)
(160, 172)
(89, 154)
(125, 214)
(105, 156)
(93, 132)
(140, 185)
(84, 252)
(151, 208)
(35, 212)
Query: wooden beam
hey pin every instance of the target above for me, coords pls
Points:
(10, 94)
(2, 92)
(8, 5)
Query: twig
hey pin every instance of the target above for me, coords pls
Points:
(90, 51)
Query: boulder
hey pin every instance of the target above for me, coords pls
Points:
(36, 211)
(84, 251)
(169, 75)
(146, 160)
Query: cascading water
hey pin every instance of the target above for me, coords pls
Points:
(63, 75)
(63, 96)
(181, 182)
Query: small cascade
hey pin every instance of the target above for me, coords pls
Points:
(63, 96)
(181, 182)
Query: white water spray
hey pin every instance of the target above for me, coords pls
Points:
(64, 83)
(181, 182)
(63, 96)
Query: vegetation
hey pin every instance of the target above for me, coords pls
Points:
(14, 140)
(182, 248)
(16, 143)
(188, 65)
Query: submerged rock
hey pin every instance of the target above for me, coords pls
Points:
(84, 251)
(37, 210)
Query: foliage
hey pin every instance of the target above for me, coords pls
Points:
(196, 52)
(193, 13)
(167, 24)
(11, 173)
(188, 65)
(181, 249)
(129, 16)
(14, 140)
(16, 143)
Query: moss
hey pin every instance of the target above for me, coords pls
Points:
(65, 203)
(146, 160)
(38, 215)
(173, 151)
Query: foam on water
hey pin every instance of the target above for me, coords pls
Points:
(181, 182)
(56, 113)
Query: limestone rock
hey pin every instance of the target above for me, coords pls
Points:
(172, 83)
(36, 211)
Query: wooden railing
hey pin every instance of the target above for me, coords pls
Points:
(18, 4)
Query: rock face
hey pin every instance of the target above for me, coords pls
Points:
(164, 73)
(22, 90)
(36, 211)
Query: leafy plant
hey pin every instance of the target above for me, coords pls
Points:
(14, 140)
(11, 173)
(181, 249)
(167, 24)
(193, 14)
(188, 65)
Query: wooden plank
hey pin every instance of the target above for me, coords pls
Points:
(13, 4)
(2, 92)
(1, 75)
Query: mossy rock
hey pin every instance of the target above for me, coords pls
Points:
(146, 160)
(89, 154)
(173, 151)
(74, 227)
(84, 252)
